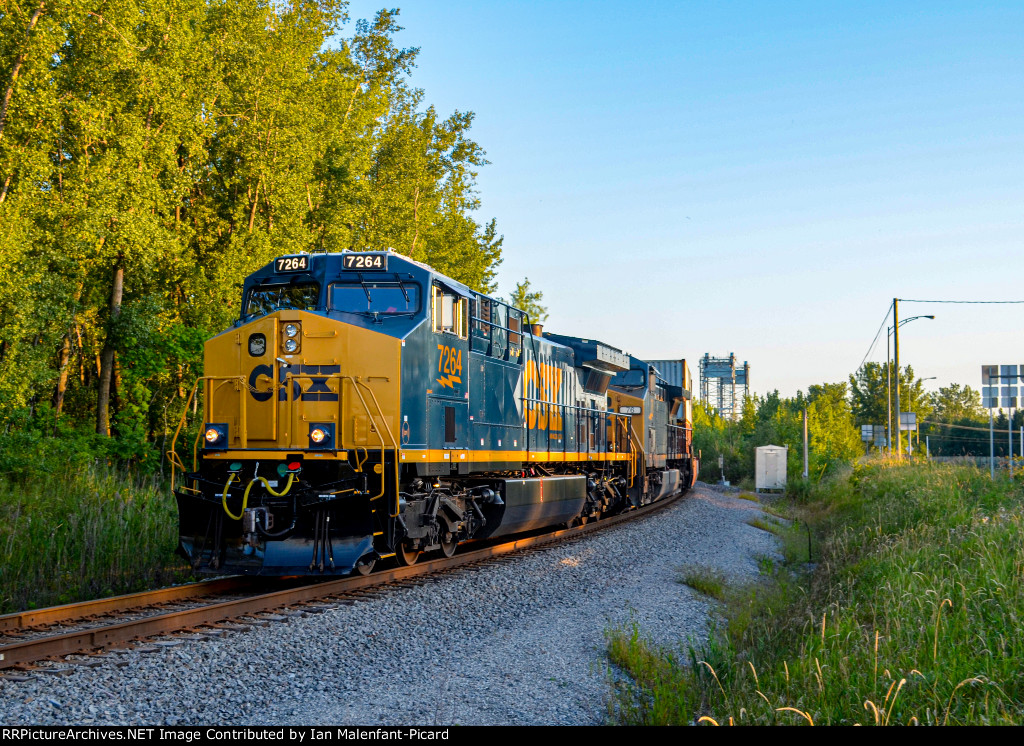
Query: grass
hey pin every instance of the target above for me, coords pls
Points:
(706, 580)
(772, 527)
(910, 614)
(84, 532)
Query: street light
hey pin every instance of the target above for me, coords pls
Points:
(894, 331)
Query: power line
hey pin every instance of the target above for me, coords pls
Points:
(975, 302)
(875, 340)
(965, 427)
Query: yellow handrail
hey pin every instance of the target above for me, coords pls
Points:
(172, 454)
(355, 387)
(637, 447)
(394, 442)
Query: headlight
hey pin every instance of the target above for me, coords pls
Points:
(290, 330)
(321, 435)
(216, 435)
(290, 345)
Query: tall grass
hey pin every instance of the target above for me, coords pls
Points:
(84, 532)
(912, 614)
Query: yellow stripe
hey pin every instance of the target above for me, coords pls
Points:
(280, 453)
(433, 456)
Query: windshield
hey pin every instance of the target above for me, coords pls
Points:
(263, 300)
(629, 378)
(376, 297)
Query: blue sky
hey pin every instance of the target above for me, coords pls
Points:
(682, 178)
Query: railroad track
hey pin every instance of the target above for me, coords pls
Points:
(213, 604)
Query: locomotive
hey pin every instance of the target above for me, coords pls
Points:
(366, 407)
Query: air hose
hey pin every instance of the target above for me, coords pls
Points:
(245, 497)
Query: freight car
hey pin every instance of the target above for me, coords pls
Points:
(366, 407)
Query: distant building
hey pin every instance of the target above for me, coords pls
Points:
(723, 385)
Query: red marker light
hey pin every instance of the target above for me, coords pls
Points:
(294, 466)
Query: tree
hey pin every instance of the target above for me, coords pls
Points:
(872, 395)
(869, 394)
(963, 428)
(833, 438)
(151, 156)
(954, 403)
(525, 300)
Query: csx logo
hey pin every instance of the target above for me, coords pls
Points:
(318, 389)
(543, 382)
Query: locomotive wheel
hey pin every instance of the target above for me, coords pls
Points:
(448, 544)
(365, 568)
(405, 555)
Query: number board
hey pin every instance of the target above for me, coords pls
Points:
(292, 263)
(365, 262)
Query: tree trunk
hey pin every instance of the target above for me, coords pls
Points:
(65, 354)
(107, 358)
(62, 382)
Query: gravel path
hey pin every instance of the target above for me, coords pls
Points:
(521, 642)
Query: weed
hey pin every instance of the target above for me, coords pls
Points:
(773, 527)
(910, 615)
(81, 533)
(707, 580)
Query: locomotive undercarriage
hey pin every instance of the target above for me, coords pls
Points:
(276, 519)
(327, 518)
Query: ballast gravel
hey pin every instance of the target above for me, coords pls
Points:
(518, 642)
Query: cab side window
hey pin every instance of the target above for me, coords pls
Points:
(449, 312)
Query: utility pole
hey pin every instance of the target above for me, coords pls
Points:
(806, 472)
(991, 446)
(896, 356)
(888, 396)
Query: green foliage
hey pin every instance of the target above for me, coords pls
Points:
(834, 441)
(714, 436)
(772, 420)
(525, 300)
(187, 144)
(873, 395)
(79, 532)
(964, 424)
(910, 615)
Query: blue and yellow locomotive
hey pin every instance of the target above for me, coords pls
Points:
(365, 407)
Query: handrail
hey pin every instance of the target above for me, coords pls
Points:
(564, 409)
(637, 444)
(172, 454)
(355, 387)
(290, 400)
(394, 444)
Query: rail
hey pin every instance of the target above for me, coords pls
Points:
(118, 633)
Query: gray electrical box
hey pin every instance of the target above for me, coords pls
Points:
(770, 467)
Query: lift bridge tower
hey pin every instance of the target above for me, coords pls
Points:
(723, 385)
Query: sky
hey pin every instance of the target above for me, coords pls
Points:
(682, 178)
